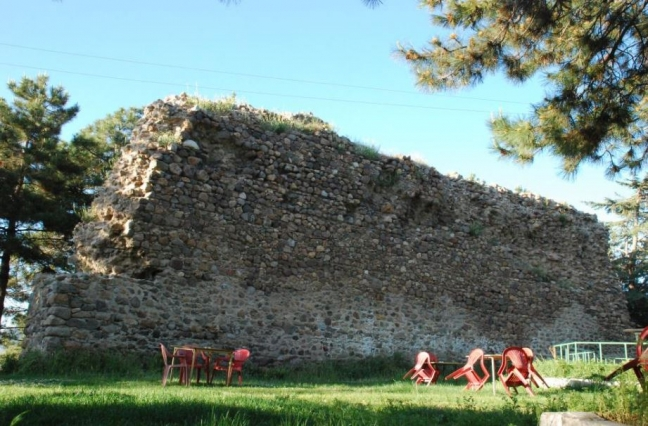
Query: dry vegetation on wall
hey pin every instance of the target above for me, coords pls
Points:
(223, 223)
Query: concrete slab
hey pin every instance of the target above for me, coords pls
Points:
(574, 419)
(566, 383)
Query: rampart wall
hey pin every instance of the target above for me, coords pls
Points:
(302, 245)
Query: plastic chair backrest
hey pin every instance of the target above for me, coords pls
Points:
(180, 354)
(240, 356)
(474, 356)
(421, 359)
(529, 354)
(424, 371)
(187, 354)
(475, 380)
(165, 354)
(518, 360)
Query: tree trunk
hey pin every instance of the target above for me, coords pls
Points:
(5, 264)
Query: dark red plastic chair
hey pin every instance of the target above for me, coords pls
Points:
(475, 381)
(639, 363)
(170, 363)
(201, 363)
(515, 371)
(423, 370)
(222, 364)
(535, 376)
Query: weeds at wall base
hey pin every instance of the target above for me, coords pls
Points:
(66, 363)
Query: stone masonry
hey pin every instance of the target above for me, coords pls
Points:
(218, 228)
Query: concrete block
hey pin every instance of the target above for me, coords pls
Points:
(574, 419)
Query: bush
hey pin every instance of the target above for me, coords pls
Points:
(220, 106)
(637, 306)
(475, 229)
(9, 362)
(369, 152)
(78, 362)
(336, 371)
(280, 123)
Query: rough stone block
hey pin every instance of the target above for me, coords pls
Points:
(85, 324)
(63, 313)
(58, 332)
(53, 321)
(58, 299)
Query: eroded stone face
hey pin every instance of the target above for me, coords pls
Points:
(299, 245)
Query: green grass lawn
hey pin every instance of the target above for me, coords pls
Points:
(329, 395)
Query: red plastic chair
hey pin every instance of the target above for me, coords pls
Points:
(535, 376)
(475, 382)
(639, 363)
(201, 363)
(423, 371)
(222, 364)
(515, 370)
(170, 364)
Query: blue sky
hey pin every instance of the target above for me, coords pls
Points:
(332, 58)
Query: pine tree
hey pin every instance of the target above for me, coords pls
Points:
(629, 244)
(42, 180)
(18, 292)
(592, 53)
(100, 143)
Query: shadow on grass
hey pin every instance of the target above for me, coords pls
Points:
(98, 380)
(264, 382)
(112, 408)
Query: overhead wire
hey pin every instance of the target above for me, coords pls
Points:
(240, 74)
(350, 101)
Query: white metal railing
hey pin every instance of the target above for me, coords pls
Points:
(594, 351)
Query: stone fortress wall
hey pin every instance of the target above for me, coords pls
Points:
(298, 245)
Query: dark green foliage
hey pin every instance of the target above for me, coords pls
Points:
(43, 180)
(369, 152)
(562, 218)
(628, 245)
(100, 143)
(638, 306)
(280, 128)
(9, 362)
(47, 184)
(592, 55)
(387, 178)
(18, 292)
(66, 363)
(84, 361)
(336, 371)
(475, 229)
(540, 273)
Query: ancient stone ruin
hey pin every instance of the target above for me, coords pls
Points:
(226, 225)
